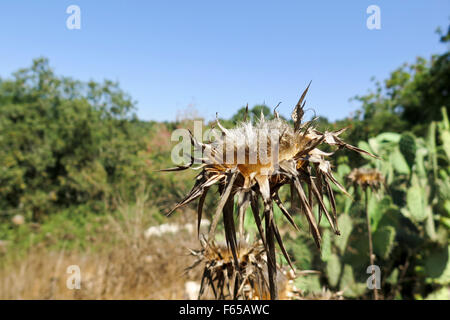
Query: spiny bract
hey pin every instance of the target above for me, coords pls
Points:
(220, 279)
(249, 174)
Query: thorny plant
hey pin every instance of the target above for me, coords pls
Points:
(368, 178)
(293, 159)
(220, 279)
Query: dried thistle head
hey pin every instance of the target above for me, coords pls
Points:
(290, 155)
(247, 281)
(366, 177)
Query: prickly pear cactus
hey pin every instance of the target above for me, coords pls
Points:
(408, 148)
(383, 241)
(346, 227)
(415, 201)
(437, 266)
(333, 270)
(349, 286)
(326, 245)
(444, 130)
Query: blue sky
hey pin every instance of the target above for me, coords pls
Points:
(220, 55)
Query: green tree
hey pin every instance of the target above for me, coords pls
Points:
(62, 141)
(410, 99)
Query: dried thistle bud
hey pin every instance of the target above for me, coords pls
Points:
(366, 177)
(222, 279)
(18, 219)
(290, 155)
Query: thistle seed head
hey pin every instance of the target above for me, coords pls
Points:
(248, 280)
(289, 156)
(366, 177)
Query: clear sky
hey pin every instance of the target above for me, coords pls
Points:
(220, 55)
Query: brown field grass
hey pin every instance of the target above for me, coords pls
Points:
(127, 266)
(153, 271)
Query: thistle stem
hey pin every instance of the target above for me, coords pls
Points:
(369, 231)
(272, 268)
(271, 256)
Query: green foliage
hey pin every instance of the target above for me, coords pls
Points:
(74, 227)
(386, 146)
(66, 143)
(333, 270)
(349, 286)
(308, 284)
(440, 294)
(409, 219)
(415, 201)
(393, 277)
(345, 226)
(301, 252)
(407, 145)
(326, 245)
(383, 241)
(378, 208)
(416, 227)
(59, 139)
(437, 266)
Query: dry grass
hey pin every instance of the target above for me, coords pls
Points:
(128, 266)
(151, 272)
